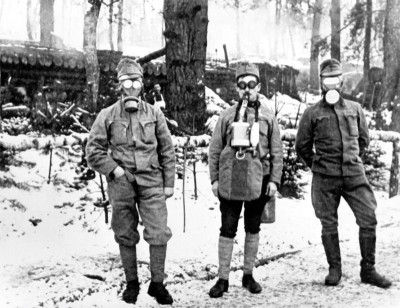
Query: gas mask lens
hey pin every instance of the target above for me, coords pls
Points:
(134, 84)
(332, 82)
(251, 84)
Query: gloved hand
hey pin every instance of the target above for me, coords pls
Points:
(271, 189)
(215, 188)
(118, 172)
(168, 191)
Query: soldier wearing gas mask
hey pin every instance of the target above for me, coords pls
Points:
(245, 161)
(332, 139)
(131, 145)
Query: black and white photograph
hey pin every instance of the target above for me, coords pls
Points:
(199, 153)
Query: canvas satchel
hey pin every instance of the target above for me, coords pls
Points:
(268, 215)
(239, 179)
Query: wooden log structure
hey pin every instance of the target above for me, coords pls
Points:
(15, 111)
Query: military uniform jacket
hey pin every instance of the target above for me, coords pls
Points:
(270, 151)
(332, 138)
(139, 142)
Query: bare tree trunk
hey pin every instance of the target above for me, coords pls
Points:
(238, 47)
(1, 8)
(335, 29)
(90, 51)
(28, 19)
(290, 31)
(367, 46)
(391, 48)
(185, 33)
(315, 39)
(120, 14)
(278, 39)
(46, 22)
(110, 24)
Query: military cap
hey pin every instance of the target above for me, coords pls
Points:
(330, 67)
(245, 68)
(128, 68)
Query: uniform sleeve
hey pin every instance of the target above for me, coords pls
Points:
(97, 147)
(363, 135)
(215, 149)
(276, 153)
(166, 150)
(305, 139)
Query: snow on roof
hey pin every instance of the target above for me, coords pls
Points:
(260, 60)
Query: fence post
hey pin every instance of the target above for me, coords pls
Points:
(394, 170)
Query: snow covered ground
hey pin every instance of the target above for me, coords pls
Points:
(56, 250)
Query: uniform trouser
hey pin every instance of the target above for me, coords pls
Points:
(326, 192)
(230, 213)
(127, 198)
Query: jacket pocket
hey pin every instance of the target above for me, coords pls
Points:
(322, 124)
(352, 124)
(118, 133)
(148, 131)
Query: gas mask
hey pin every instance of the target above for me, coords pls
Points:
(331, 88)
(131, 89)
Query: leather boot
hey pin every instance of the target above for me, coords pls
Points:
(131, 292)
(332, 251)
(368, 273)
(250, 284)
(251, 242)
(225, 249)
(219, 288)
(158, 290)
(157, 269)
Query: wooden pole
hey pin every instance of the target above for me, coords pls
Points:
(195, 180)
(183, 183)
(394, 170)
(105, 203)
(371, 101)
(50, 163)
(226, 56)
(152, 56)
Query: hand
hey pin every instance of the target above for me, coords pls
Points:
(118, 172)
(168, 192)
(271, 189)
(215, 188)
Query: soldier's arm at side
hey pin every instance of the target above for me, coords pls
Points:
(97, 147)
(305, 139)
(215, 149)
(363, 135)
(276, 153)
(166, 151)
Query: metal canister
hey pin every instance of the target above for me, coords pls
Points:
(240, 134)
